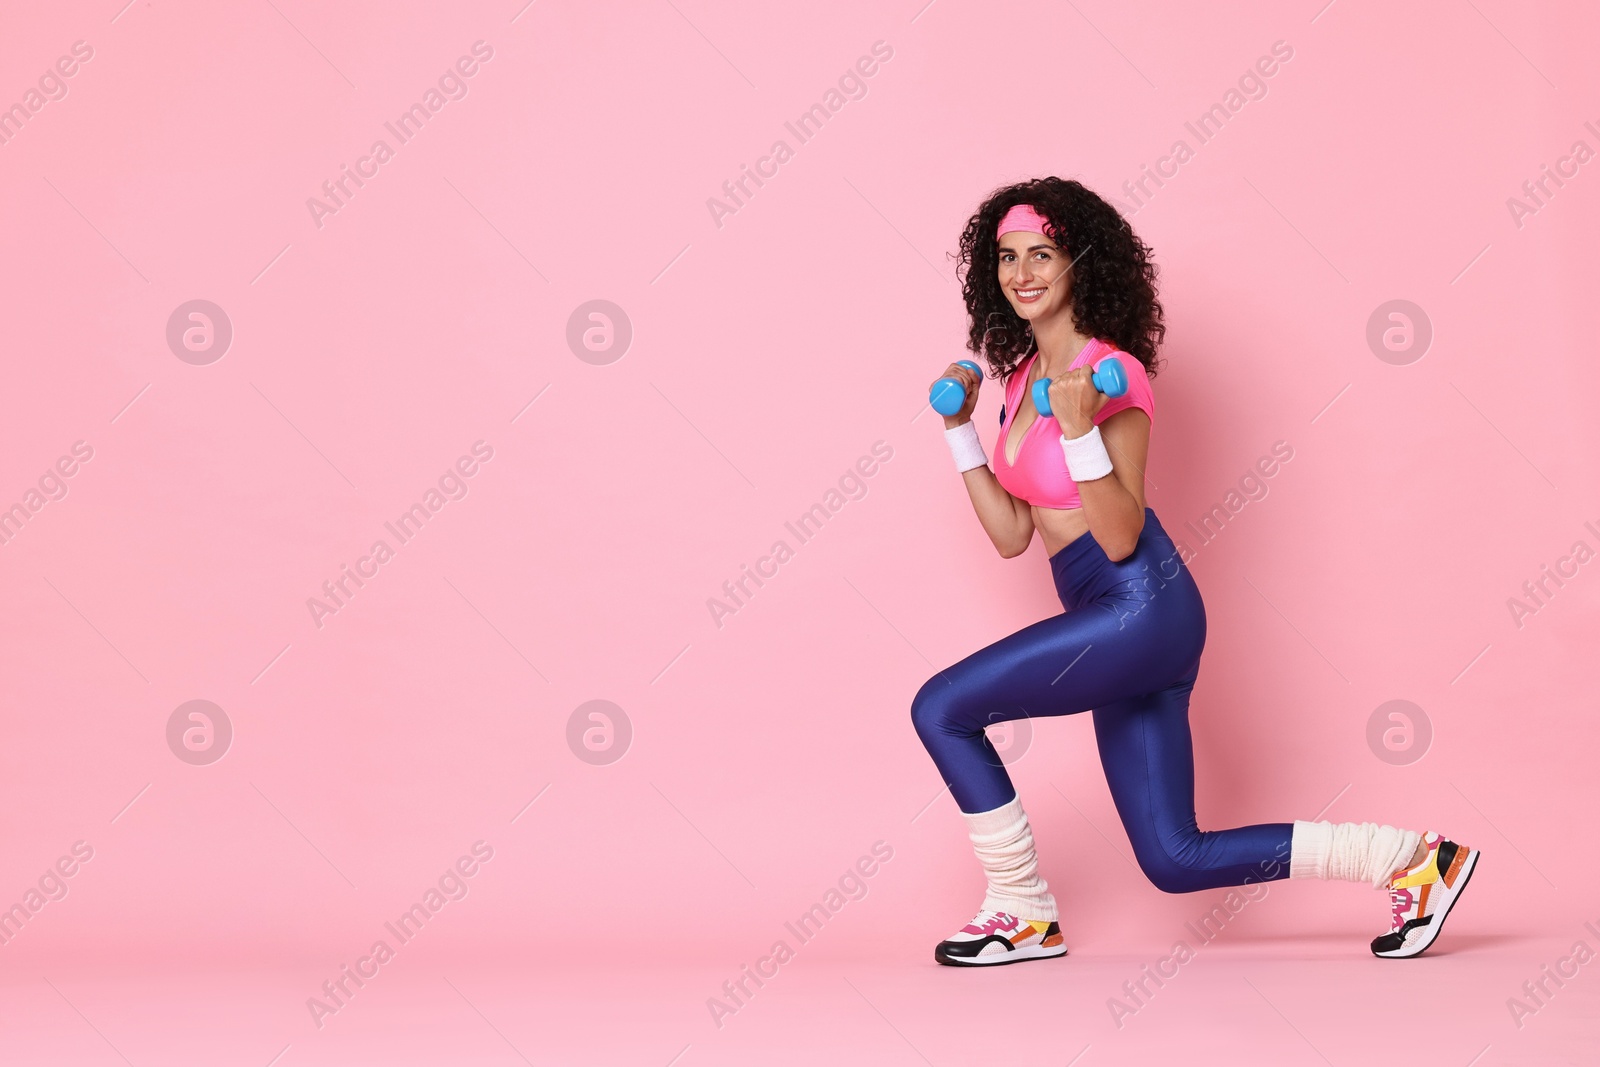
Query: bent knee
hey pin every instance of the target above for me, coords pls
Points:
(937, 707)
(1164, 870)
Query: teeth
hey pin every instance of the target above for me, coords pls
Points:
(1029, 292)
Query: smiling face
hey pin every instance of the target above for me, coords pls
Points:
(1035, 274)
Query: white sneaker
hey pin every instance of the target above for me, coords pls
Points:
(1422, 896)
(997, 937)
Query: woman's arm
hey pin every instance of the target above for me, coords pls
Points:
(1113, 505)
(1007, 520)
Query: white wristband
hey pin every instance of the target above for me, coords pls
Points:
(965, 446)
(1087, 458)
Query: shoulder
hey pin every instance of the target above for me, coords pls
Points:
(1129, 362)
(1140, 393)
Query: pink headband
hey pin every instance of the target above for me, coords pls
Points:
(1023, 217)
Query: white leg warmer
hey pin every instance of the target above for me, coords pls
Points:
(1004, 844)
(1358, 852)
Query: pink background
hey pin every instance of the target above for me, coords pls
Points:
(767, 356)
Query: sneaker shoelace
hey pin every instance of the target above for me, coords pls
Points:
(1401, 898)
(1400, 902)
(988, 922)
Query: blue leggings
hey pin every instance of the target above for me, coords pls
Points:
(1128, 646)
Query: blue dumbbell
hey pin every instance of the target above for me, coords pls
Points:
(1109, 378)
(949, 395)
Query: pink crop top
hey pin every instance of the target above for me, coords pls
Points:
(1040, 475)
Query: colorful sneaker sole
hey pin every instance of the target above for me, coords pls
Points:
(1458, 871)
(972, 954)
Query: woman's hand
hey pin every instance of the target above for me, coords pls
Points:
(972, 381)
(1075, 401)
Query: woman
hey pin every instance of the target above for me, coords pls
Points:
(1056, 281)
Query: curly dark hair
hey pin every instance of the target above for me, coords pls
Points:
(1113, 275)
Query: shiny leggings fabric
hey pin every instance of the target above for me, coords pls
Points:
(1128, 648)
